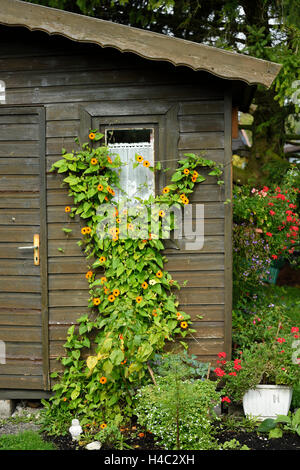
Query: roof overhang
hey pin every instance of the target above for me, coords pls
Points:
(147, 44)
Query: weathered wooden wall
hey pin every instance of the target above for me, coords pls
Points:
(63, 76)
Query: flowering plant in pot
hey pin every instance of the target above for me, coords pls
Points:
(263, 368)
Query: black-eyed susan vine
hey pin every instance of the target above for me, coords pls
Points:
(133, 308)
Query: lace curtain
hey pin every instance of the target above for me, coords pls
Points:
(139, 181)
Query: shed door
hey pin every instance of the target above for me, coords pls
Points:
(23, 270)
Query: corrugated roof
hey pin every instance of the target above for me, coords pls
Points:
(146, 44)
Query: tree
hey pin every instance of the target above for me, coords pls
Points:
(266, 29)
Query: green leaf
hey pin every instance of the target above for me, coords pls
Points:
(275, 433)
(267, 425)
(117, 356)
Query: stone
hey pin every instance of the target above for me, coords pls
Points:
(6, 408)
(96, 445)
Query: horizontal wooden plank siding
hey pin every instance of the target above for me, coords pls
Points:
(64, 82)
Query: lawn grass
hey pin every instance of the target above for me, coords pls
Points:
(26, 440)
(288, 298)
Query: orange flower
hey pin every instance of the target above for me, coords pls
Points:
(103, 426)
(103, 280)
(159, 274)
(106, 198)
(194, 179)
(161, 213)
(141, 434)
(179, 316)
(185, 201)
(89, 274)
(109, 160)
(186, 171)
(182, 197)
(154, 313)
(88, 230)
(68, 209)
(116, 292)
(102, 259)
(103, 380)
(195, 174)
(92, 135)
(124, 362)
(183, 324)
(166, 190)
(100, 187)
(96, 301)
(139, 299)
(111, 298)
(94, 161)
(146, 163)
(116, 213)
(112, 192)
(139, 158)
(65, 399)
(144, 285)
(106, 291)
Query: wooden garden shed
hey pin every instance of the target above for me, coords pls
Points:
(60, 75)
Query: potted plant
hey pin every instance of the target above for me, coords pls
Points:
(263, 376)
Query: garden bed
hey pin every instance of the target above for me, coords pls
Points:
(251, 439)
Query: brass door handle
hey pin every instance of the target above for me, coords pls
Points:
(35, 247)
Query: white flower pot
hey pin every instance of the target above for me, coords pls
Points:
(267, 401)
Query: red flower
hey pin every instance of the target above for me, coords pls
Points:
(270, 204)
(274, 256)
(265, 189)
(272, 212)
(280, 340)
(232, 373)
(269, 234)
(219, 372)
(237, 367)
(278, 189)
(289, 212)
(294, 329)
(289, 218)
(226, 399)
(222, 355)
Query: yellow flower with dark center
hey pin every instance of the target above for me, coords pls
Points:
(111, 298)
(146, 163)
(183, 324)
(103, 380)
(161, 213)
(186, 171)
(166, 190)
(195, 174)
(96, 301)
(194, 179)
(102, 259)
(83, 230)
(89, 274)
(100, 187)
(139, 158)
(92, 135)
(144, 285)
(185, 201)
(68, 209)
(159, 274)
(116, 292)
(94, 161)
(103, 426)
(139, 299)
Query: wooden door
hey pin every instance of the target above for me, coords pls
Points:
(23, 282)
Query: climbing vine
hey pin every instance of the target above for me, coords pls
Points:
(133, 308)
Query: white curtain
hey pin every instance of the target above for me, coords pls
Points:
(139, 181)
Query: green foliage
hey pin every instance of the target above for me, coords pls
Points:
(179, 412)
(276, 427)
(27, 440)
(132, 300)
(234, 445)
(190, 366)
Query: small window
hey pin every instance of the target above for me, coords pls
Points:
(127, 143)
(2, 92)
